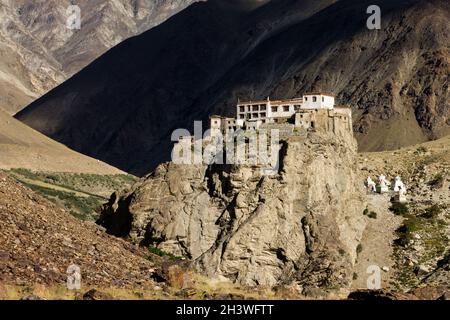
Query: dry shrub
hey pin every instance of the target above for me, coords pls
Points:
(179, 277)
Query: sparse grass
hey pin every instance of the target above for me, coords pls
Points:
(202, 288)
(432, 211)
(405, 232)
(421, 149)
(80, 194)
(84, 208)
(162, 253)
(437, 181)
(399, 208)
(79, 181)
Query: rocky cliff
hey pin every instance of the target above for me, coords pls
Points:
(300, 226)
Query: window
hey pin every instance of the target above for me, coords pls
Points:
(285, 108)
(274, 109)
(241, 116)
(306, 98)
(323, 99)
(242, 109)
(263, 115)
(254, 108)
(255, 115)
(314, 99)
(297, 107)
(262, 107)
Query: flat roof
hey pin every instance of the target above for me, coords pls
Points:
(271, 101)
(343, 106)
(319, 93)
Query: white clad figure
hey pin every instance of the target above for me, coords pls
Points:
(371, 184)
(384, 184)
(400, 189)
(398, 184)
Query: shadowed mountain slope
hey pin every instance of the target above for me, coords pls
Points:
(123, 107)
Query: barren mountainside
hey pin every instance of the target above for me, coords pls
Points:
(123, 107)
(23, 147)
(39, 241)
(39, 51)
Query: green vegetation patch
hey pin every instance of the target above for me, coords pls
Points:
(399, 208)
(405, 232)
(432, 211)
(162, 253)
(83, 208)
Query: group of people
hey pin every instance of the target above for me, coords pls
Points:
(384, 184)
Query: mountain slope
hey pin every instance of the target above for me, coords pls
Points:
(123, 107)
(128, 102)
(397, 79)
(23, 147)
(39, 241)
(39, 51)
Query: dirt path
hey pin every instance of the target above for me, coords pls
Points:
(377, 241)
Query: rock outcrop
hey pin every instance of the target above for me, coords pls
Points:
(300, 226)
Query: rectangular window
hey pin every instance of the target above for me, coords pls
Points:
(297, 107)
(255, 108)
(285, 108)
(262, 107)
(241, 116)
(263, 115)
(323, 99)
(274, 109)
(242, 109)
(255, 115)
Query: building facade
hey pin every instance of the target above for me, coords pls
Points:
(312, 111)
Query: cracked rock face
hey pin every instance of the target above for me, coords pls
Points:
(301, 225)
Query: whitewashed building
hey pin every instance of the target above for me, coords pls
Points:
(315, 109)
